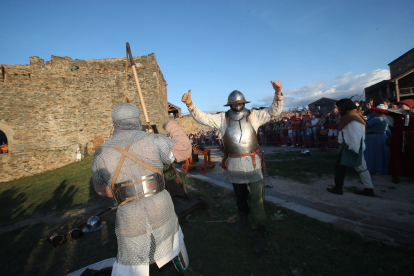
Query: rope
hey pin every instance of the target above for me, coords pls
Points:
(229, 220)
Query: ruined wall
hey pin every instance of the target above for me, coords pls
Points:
(189, 125)
(49, 110)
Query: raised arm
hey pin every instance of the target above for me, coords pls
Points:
(262, 116)
(182, 147)
(211, 120)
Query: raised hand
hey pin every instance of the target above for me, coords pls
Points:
(187, 98)
(277, 86)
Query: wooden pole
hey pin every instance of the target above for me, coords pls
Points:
(144, 108)
(397, 90)
(141, 98)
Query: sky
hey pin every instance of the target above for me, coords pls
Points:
(331, 49)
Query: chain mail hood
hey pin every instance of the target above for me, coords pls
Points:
(125, 116)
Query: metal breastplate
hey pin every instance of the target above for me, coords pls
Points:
(240, 136)
(124, 190)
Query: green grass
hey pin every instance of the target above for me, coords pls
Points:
(296, 244)
(62, 189)
(304, 168)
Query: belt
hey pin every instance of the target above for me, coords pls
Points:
(125, 192)
(375, 133)
(147, 186)
(225, 162)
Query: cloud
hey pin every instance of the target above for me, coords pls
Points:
(344, 86)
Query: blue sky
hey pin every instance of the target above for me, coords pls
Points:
(315, 48)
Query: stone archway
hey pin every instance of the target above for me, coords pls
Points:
(8, 132)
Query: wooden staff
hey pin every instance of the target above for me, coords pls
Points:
(134, 70)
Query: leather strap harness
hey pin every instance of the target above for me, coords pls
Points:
(125, 153)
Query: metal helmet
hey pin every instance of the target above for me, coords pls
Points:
(94, 223)
(125, 116)
(236, 97)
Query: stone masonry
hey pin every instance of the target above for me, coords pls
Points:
(189, 125)
(49, 110)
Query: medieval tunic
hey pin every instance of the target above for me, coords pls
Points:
(240, 169)
(147, 228)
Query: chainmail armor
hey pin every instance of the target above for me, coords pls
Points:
(144, 227)
(241, 170)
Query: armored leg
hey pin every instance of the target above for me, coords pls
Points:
(257, 211)
(258, 215)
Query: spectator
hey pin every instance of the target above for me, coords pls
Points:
(324, 130)
(377, 154)
(276, 131)
(315, 127)
(306, 123)
(269, 131)
(296, 126)
(386, 102)
(283, 131)
(290, 131)
(262, 135)
(333, 127)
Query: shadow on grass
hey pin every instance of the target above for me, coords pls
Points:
(59, 190)
(27, 251)
(12, 202)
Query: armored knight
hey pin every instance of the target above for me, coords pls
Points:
(128, 167)
(238, 127)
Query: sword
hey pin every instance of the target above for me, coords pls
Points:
(134, 70)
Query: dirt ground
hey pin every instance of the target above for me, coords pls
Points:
(392, 201)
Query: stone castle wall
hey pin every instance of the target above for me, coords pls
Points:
(189, 125)
(50, 109)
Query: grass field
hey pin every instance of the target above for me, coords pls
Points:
(304, 168)
(297, 245)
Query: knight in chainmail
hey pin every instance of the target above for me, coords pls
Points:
(128, 167)
(238, 127)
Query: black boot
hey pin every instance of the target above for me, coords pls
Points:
(366, 192)
(259, 242)
(244, 222)
(335, 190)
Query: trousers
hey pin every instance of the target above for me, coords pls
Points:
(251, 202)
(340, 172)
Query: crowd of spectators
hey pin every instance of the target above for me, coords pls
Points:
(202, 138)
(302, 128)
